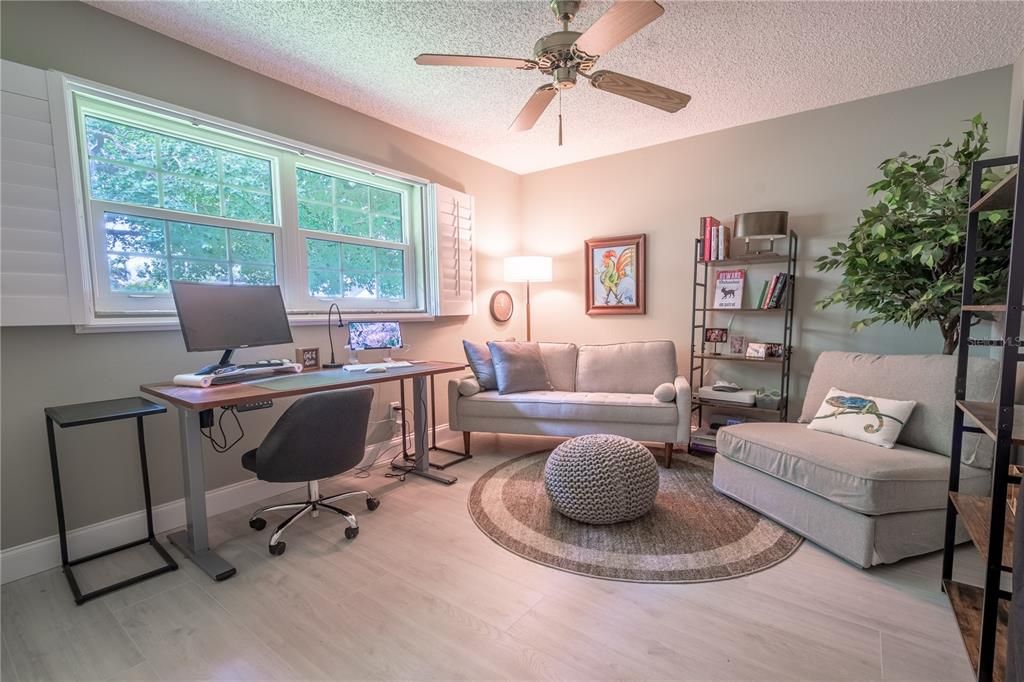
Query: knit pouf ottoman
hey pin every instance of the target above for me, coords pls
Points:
(601, 479)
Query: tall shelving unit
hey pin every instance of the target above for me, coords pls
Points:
(982, 612)
(702, 299)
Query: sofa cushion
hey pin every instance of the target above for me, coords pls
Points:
(636, 367)
(927, 379)
(560, 360)
(633, 408)
(859, 476)
(518, 366)
(479, 358)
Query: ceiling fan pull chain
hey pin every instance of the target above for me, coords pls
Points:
(559, 118)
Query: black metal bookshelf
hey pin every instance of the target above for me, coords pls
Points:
(982, 612)
(703, 271)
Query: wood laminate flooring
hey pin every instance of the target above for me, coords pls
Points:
(422, 594)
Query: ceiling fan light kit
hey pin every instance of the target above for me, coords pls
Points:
(564, 55)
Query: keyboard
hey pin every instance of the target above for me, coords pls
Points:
(386, 365)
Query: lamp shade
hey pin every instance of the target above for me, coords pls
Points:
(528, 269)
(761, 224)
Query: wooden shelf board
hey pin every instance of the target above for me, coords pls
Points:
(752, 259)
(737, 358)
(999, 308)
(1001, 196)
(741, 310)
(985, 414)
(966, 601)
(976, 512)
(740, 408)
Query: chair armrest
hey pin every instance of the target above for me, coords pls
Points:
(683, 397)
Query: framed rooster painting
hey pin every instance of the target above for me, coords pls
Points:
(616, 275)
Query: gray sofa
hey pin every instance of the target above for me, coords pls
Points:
(868, 504)
(595, 389)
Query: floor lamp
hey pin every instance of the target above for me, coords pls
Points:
(528, 269)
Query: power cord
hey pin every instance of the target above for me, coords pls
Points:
(222, 445)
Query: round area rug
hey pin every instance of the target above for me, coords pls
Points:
(693, 534)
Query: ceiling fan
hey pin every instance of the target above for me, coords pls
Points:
(566, 54)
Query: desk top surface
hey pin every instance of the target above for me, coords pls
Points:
(193, 398)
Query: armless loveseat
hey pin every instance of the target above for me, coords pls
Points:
(866, 503)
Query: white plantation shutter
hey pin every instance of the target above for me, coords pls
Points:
(456, 262)
(33, 277)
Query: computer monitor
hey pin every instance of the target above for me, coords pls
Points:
(222, 317)
(374, 335)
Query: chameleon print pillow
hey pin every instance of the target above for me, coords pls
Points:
(873, 420)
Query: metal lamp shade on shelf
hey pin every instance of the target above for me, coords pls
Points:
(770, 225)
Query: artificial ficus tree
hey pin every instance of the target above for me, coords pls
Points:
(904, 259)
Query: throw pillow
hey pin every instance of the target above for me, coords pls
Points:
(469, 386)
(518, 367)
(665, 393)
(479, 358)
(873, 420)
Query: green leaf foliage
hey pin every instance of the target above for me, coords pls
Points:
(903, 261)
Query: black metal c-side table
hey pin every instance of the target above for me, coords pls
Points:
(81, 414)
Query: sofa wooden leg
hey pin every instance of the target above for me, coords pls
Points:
(465, 441)
(668, 455)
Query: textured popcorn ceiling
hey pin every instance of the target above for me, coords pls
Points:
(741, 61)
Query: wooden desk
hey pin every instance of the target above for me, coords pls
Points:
(194, 540)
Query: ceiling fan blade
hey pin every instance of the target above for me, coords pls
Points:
(473, 60)
(535, 106)
(622, 20)
(641, 91)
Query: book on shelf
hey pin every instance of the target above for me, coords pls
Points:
(764, 292)
(709, 232)
(729, 289)
(774, 291)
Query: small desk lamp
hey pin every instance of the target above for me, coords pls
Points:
(528, 269)
(330, 337)
(770, 225)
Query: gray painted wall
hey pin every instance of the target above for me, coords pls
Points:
(1016, 106)
(815, 164)
(53, 365)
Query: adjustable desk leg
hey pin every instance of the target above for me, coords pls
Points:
(419, 413)
(194, 541)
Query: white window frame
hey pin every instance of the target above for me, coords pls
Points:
(82, 230)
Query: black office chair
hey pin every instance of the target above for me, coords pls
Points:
(319, 436)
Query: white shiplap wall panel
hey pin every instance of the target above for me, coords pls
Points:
(456, 261)
(33, 279)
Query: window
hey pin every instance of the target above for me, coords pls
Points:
(356, 239)
(168, 199)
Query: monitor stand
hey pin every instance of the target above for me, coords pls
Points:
(225, 361)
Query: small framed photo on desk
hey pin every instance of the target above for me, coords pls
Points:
(309, 358)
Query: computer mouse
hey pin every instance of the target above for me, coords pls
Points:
(376, 370)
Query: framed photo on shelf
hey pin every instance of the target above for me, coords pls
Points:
(737, 344)
(616, 275)
(716, 335)
(773, 350)
(756, 351)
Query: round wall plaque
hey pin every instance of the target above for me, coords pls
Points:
(501, 306)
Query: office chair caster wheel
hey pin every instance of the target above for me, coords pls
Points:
(277, 549)
(257, 523)
(372, 503)
(351, 533)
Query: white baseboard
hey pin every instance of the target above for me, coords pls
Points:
(43, 554)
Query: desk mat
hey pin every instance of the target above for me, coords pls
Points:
(299, 381)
